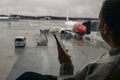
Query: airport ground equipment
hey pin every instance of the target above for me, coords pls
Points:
(42, 40)
(20, 41)
(44, 31)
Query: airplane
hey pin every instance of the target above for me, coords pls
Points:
(73, 29)
(79, 28)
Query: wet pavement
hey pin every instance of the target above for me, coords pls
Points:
(41, 59)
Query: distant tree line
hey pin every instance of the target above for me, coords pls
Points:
(45, 17)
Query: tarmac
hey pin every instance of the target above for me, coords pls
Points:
(41, 59)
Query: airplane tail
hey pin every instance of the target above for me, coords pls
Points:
(88, 26)
(67, 15)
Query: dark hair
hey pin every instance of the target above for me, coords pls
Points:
(110, 14)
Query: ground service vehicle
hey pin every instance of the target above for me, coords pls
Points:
(42, 40)
(20, 41)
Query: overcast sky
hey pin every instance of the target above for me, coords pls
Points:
(75, 8)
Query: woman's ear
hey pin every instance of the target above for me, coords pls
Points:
(105, 29)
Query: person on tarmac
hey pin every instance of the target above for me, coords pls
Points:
(107, 67)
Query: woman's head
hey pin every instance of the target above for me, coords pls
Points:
(110, 21)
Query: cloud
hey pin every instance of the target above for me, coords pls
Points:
(76, 8)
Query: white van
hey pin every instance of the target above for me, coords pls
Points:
(20, 41)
